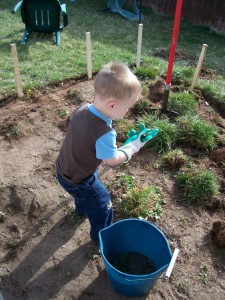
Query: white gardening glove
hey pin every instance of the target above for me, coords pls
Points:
(132, 147)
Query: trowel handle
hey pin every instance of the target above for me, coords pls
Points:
(172, 262)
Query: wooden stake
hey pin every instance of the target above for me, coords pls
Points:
(88, 47)
(16, 70)
(138, 58)
(200, 61)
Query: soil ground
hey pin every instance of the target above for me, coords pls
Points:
(45, 253)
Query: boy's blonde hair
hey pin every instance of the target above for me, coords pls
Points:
(115, 80)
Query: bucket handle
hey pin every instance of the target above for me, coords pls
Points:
(174, 257)
(171, 265)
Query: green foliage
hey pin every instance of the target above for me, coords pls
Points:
(173, 160)
(74, 216)
(145, 72)
(64, 113)
(197, 185)
(125, 182)
(183, 73)
(122, 128)
(113, 38)
(167, 136)
(181, 287)
(213, 89)
(144, 87)
(142, 202)
(203, 274)
(15, 130)
(141, 107)
(197, 133)
(183, 102)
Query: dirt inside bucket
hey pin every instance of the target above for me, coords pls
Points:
(133, 263)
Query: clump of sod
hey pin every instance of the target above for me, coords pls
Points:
(197, 133)
(167, 136)
(140, 202)
(183, 102)
(146, 72)
(172, 160)
(183, 73)
(141, 107)
(197, 185)
(122, 128)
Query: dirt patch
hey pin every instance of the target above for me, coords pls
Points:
(218, 155)
(216, 103)
(156, 91)
(218, 233)
(180, 55)
(46, 254)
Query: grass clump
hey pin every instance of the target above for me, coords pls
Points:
(183, 102)
(15, 130)
(145, 72)
(42, 62)
(197, 185)
(122, 128)
(64, 113)
(212, 89)
(173, 160)
(197, 133)
(183, 73)
(167, 136)
(141, 107)
(144, 202)
(125, 182)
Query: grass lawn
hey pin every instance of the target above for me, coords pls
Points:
(113, 38)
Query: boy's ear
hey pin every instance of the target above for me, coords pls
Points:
(111, 104)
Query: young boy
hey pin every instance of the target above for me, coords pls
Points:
(91, 139)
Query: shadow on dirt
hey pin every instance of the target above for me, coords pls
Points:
(27, 279)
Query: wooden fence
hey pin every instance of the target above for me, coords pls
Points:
(205, 12)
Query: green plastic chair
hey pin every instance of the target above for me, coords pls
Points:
(42, 16)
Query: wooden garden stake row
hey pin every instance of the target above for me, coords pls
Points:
(89, 61)
(200, 61)
(88, 49)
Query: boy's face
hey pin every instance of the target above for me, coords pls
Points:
(118, 109)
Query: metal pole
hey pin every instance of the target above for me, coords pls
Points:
(140, 9)
(173, 45)
(166, 97)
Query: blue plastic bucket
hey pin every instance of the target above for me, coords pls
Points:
(134, 235)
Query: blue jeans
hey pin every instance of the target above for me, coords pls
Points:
(92, 198)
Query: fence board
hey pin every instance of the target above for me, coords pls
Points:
(205, 12)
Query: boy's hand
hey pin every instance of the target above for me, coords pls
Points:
(132, 147)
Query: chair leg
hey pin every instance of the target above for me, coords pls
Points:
(26, 35)
(57, 37)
